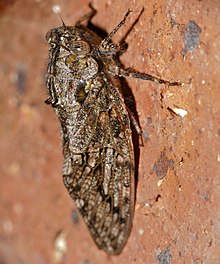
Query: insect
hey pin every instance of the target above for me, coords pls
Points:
(84, 90)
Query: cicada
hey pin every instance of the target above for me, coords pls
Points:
(85, 92)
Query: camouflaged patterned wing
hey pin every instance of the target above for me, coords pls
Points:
(99, 168)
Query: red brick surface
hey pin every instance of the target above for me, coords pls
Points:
(177, 207)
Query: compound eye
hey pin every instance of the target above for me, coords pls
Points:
(80, 47)
(48, 35)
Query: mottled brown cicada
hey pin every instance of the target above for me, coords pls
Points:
(85, 92)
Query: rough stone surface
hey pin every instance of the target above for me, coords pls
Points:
(177, 214)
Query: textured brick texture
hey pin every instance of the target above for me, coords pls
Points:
(178, 190)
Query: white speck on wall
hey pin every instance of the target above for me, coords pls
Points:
(56, 9)
(60, 247)
(179, 111)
